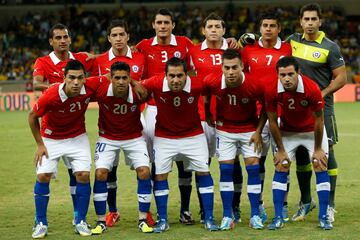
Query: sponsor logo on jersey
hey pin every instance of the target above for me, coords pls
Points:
(135, 68)
(56, 73)
(316, 54)
(62, 111)
(163, 99)
(151, 56)
(201, 60)
(133, 108)
(177, 54)
(255, 59)
(107, 69)
(244, 100)
(190, 100)
(304, 103)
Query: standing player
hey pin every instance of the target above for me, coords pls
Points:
(321, 60)
(118, 36)
(157, 51)
(301, 124)
(237, 125)
(120, 129)
(50, 69)
(204, 59)
(62, 109)
(178, 132)
(260, 59)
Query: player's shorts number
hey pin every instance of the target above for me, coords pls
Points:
(100, 147)
(177, 101)
(120, 109)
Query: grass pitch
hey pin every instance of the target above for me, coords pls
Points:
(17, 176)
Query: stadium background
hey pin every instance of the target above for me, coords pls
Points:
(23, 37)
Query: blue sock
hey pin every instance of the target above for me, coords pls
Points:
(83, 191)
(41, 195)
(100, 196)
(144, 194)
(279, 188)
(226, 188)
(112, 189)
(185, 187)
(206, 189)
(254, 188)
(238, 181)
(72, 187)
(161, 192)
(323, 191)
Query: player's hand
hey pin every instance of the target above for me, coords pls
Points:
(281, 157)
(89, 56)
(134, 49)
(247, 39)
(209, 119)
(40, 152)
(257, 140)
(232, 43)
(319, 159)
(140, 91)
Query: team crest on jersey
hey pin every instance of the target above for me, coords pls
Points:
(190, 100)
(316, 54)
(304, 103)
(135, 68)
(177, 54)
(133, 108)
(87, 101)
(244, 100)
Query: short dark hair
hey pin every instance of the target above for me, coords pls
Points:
(119, 66)
(287, 61)
(165, 12)
(58, 26)
(73, 65)
(175, 62)
(231, 54)
(117, 23)
(269, 15)
(311, 7)
(213, 16)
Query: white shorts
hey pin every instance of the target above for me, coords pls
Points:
(292, 140)
(192, 150)
(107, 151)
(228, 144)
(76, 150)
(210, 138)
(149, 128)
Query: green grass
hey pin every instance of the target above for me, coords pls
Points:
(17, 176)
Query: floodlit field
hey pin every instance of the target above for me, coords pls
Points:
(17, 177)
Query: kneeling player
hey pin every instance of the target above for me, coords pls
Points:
(301, 124)
(178, 132)
(120, 129)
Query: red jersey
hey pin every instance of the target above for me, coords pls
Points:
(297, 107)
(52, 68)
(235, 107)
(205, 61)
(177, 115)
(64, 117)
(135, 60)
(157, 55)
(119, 119)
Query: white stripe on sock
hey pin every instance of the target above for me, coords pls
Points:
(209, 189)
(98, 197)
(256, 188)
(226, 186)
(161, 192)
(279, 186)
(324, 186)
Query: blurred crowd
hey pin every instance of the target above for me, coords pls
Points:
(24, 39)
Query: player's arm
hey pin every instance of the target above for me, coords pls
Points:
(319, 154)
(233, 44)
(39, 84)
(339, 81)
(139, 89)
(256, 138)
(34, 124)
(208, 115)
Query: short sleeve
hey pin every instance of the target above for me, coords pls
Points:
(39, 68)
(335, 59)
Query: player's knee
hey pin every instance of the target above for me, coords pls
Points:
(101, 174)
(161, 177)
(202, 173)
(82, 177)
(44, 177)
(251, 161)
(282, 167)
(143, 173)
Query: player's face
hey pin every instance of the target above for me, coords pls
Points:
(118, 38)
(310, 22)
(288, 77)
(120, 82)
(163, 26)
(74, 80)
(232, 70)
(60, 41)
(213, 30)
(176, 78)
(269, 29)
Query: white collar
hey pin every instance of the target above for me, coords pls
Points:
(187, 87)
(277, 44)
(110, 93)
(63, 95)
(223, 47)
(172, 41)
(300, 86)
(223, 82)
(56, 60)
(112, 55)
